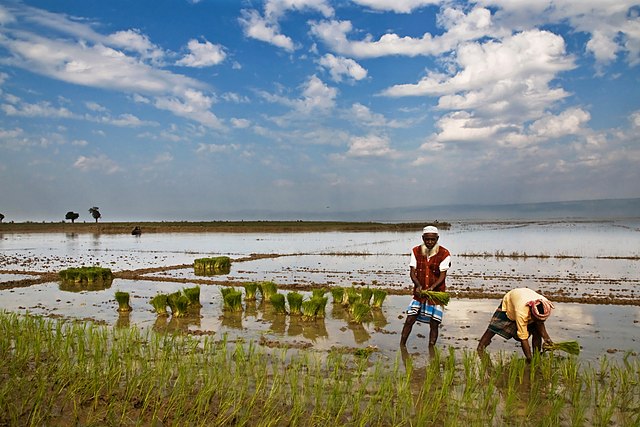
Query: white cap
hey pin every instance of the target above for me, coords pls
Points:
(430, 229)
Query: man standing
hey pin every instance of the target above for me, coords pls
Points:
(428, 270)
(521, 313)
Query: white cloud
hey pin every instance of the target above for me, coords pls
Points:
(339, 66)
(99, 163)
(135, 41)
(256, 27)
(362, 115)
(317, 96)
(102, 66)
(266, 27)
(41, 109)
(397, 6)
(569, 122)
(240, 123)
(509, 80)
(460, 27)
(370, 146)
(203, 54)
(162, 158)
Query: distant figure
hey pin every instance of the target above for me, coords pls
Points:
(428, 269)
(136, 231)
(521, 313)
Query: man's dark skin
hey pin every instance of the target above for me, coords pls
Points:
(430, 240)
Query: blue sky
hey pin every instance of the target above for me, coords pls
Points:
(216, 109)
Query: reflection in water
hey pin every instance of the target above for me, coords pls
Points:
(95, 285)
(314, 329)
(71, 236)
(295, 326)
(339, 312)
(251, 308)
(232, 319)
(181, 324)
(379, 319)
(161, 324)
(124, 319)
(360, 334)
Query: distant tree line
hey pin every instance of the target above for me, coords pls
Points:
(94, 211)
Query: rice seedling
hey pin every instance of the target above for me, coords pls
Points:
(193, 295)
(352, 297)
(85, 274)
(365, 295)
(57, 372)
(336, 293)
(267, 290)
(178, 304)
(212, 266)
(278, 303)
(378, 298)
(571, 347)
(250, 291)
(313, 308)
(232, 300)
(318, 293)
(440, 298)
(295, 303)
(360, 312)
(159, 303)
(122, 299)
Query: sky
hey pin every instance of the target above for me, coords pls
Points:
(220, 109)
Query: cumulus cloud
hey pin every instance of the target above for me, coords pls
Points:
(266, 27)
(569, 122)
(397, 6)
(202, 54)
(103, 62)
(339, 66)
(40, 109)
(101, 163)
(370, 146)
(316, 97)
(460, 27)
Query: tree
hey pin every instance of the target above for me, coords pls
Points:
(95, 213)
(72, 216)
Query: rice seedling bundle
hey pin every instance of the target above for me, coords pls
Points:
(360, 311)
(295, 302)
(337, 294)
(159, 303)
(172, 303)
(314, 307)
(178, 303)
(571, 347)
(440, 298)
(318, 293)
(86, 275)
(212, 266)
(193, 295)
(250, 291)
(123, 301)
(353, 296)
(365, 295)
(233, 300)
(278, 303)
(267, 289)
(378, 298)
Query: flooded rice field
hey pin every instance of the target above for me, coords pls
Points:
(590, 269)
